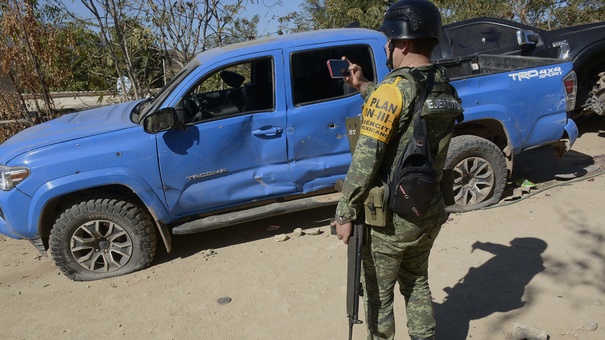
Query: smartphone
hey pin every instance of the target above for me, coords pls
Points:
(338, 68)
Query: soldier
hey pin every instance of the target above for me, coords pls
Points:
(399, 250)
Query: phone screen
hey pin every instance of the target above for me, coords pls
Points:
(338, 68)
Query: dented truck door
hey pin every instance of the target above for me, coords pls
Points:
(233, 146)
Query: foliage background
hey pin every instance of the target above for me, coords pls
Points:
(46, 47)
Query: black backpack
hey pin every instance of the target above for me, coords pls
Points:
(414, 181)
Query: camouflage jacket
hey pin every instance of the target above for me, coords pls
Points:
(384, 135)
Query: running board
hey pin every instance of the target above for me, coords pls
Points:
(241, 216)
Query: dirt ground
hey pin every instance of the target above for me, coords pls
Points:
(537, 261)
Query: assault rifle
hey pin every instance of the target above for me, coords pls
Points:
(354, 289)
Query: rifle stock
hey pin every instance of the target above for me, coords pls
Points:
(354, 289)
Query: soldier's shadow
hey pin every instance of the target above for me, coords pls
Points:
(496, 286)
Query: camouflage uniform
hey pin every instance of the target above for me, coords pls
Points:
(399, 251)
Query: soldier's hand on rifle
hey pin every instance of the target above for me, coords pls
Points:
(343, 231)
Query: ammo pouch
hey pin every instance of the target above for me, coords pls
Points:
(375, 206)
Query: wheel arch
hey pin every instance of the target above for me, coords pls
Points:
(590, 59)
(588, 64)
(59, 202)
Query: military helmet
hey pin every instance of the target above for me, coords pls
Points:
(412, 19)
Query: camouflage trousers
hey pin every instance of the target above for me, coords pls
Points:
(399, 253)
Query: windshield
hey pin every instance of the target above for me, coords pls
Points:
(153, 104)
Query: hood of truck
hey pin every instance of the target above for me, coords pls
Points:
(68, 127)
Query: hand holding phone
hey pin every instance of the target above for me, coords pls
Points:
(338, 68)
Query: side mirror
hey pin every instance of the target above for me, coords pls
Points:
(527, 38)
(162, 120)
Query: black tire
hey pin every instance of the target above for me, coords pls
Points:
(101, 238)
(596, 97)
(480, 172)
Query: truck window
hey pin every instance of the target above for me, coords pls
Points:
(483, 39)
(236, 89)
(311, 81)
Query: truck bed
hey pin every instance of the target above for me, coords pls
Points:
(491, 64)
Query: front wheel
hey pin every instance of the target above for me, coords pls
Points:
(101, 238)
(479, 172)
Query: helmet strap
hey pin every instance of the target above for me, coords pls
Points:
(391, 51)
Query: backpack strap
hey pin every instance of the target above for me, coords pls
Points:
(418, 77)
(419, 131)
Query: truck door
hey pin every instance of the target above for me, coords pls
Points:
(318, 105)
(233, 147)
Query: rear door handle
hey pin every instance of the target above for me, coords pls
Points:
(268, 132)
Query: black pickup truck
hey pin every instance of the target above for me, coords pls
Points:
(583, 45)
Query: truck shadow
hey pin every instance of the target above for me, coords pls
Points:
(543, 167)
(591, 124)
(187, 245)
(496, 286)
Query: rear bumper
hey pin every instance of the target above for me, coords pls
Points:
(572, 132)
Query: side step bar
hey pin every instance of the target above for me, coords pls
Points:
(273, 209)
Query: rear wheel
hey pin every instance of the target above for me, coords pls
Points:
(479, 172)
(101, 238)
(596, 97)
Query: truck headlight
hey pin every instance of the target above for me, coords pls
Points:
(11, 175)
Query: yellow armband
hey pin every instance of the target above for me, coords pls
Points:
(381, 112)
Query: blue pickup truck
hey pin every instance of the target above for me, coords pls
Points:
(247, 131)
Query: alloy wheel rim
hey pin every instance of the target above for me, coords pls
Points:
(473, 181)
(101, 246)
